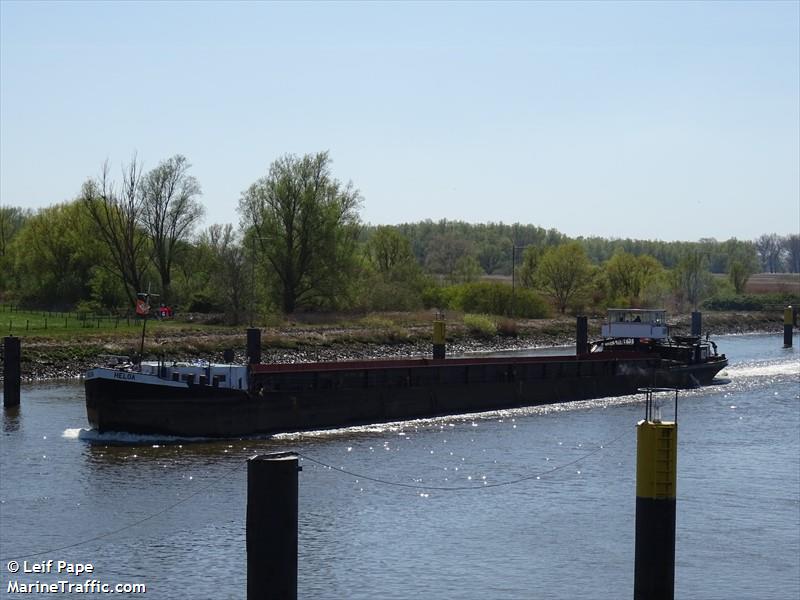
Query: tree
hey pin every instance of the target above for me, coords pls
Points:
(169, 212)
(738, 274)
(629, 276)
(228, 269)
(467, 269)
(691, 279)
(116, 220)
(443, 253)
(742, 263)
(12, 220)
(564, 272)
(54, 256)
(791, 245)
(387, 249)
(306, 224)
(493, 251)
(770, 251)
(530, 264)
(391, 279)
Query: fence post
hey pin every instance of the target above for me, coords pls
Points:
(272, 526)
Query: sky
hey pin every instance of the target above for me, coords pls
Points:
(671, 121)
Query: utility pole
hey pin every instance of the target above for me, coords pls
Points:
(514, 249)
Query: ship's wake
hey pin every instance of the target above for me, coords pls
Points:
(93, 436)
(770, 369)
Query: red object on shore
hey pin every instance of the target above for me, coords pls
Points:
(142, 307)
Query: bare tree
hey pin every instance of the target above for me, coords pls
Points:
(691, 279)
(229, 278)
(770, 251)
(169, 212)
(116, 216)
(791, 244)
(444, 251)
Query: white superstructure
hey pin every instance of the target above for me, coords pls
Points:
(177, 374)
(636, 323)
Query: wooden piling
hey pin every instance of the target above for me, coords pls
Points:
(697, 323)
(272, 491)
(582, 336)
(788, 319)
(11, 371)
(439, 338)
(254, 345)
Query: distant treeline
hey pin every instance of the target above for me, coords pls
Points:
(435, 242)
(300, 245)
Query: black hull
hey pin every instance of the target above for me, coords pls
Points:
(333, 397)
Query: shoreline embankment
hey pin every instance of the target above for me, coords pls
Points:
(59, 358)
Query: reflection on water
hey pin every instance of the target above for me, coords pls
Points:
(170, 511)
(11, 419)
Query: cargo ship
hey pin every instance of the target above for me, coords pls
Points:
(232, 400)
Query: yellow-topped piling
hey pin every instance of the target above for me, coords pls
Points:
(656, 486)
(656, 459)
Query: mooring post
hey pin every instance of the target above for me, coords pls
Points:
(582, 336)
(656, 479)
(788, 319)
(11, 371)
(439, 337)
(272, 526)
(254, 345)
(697, 323)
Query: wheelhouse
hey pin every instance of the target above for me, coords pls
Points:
(636, 323)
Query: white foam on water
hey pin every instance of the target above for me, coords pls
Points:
(400, 427)
(763, 369)
(121, 437)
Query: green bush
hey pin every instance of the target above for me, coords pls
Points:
(751, 301)
(204, 303)
(438, 296)
(86, 308)
(485, 297)
(387, 295)
(480, 325)
(488, 298)
(507, 327)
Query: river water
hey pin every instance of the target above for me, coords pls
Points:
(170, 513)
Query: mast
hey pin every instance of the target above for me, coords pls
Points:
(143, 310)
